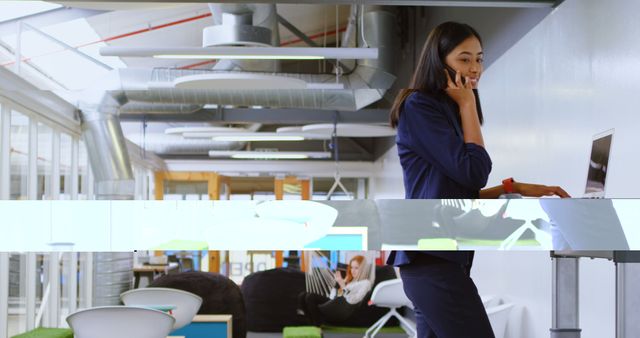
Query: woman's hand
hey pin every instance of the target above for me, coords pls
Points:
(339, 279)
(538, 190)
(461, 93)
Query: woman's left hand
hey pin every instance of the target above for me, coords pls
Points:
(539, 190)
(339, 279)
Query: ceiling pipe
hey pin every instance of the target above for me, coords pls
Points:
(150, 91)
(364, 85)
(108, 156)
(143, 108)
(243, 24)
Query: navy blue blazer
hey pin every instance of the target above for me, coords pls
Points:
(436, 162)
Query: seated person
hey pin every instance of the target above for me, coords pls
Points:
(343, 299)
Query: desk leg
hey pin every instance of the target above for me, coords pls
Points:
(627, 300)
(136, 280)
(565, 301)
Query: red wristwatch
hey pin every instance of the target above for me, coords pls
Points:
(507, 185)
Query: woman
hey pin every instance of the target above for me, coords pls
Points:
(343, 300)
(442, 154)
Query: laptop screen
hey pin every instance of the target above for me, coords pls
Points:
(598, 164)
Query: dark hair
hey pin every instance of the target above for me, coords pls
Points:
(429, 76)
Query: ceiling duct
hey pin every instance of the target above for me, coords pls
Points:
(236, 30)
(364, 85)
(153, 90)
(163, 108)
(243, 25)
(108, 156)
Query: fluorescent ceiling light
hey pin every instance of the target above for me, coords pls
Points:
(350, 130)
(240, 57)
(269, 155)
(211, 131)
(298, 53)
(257, 138)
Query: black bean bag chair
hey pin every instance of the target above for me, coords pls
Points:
(220, 295)
(271, 298)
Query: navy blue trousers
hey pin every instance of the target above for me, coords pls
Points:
(446, 301)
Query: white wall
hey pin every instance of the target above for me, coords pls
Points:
(386, 181)
(572, 76)
(569, 78)
(524, 278)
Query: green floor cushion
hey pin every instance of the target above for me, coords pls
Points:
(301, 332)
(43, 332)
(359, 330)
(486, 242)
(183, 245)
(450, 244)
(437, 244)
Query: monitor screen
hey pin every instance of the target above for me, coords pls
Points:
(598, 164)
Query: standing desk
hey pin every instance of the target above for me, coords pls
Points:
(565, 295)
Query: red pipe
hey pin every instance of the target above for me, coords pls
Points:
(117, 37)
(170, 24)
(174, 23)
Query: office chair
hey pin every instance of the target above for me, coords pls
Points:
(121, 322)
(186, 303)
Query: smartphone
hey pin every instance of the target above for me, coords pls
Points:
(452, 74)
(342, 268)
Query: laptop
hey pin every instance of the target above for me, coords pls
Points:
(598, 165)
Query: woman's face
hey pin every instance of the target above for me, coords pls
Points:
(355, 268)
(467, 58)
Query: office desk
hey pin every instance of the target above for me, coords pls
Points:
(149, 271)
(565, 292)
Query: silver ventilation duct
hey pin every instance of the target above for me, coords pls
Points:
(366, 84)
(163, 108)
(243, 25)
(108, 156)
(152, 91)
(112, 275)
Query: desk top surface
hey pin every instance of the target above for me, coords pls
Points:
(152, 268)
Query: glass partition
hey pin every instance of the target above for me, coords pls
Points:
(84, 173)
(19, 156)
(44, 161)
(66, 144)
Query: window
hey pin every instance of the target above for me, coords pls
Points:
(19, 156)
(44, 162)
(73, 71)
(84, 178)
(17, 301)
(17, 9)
(66, 144)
